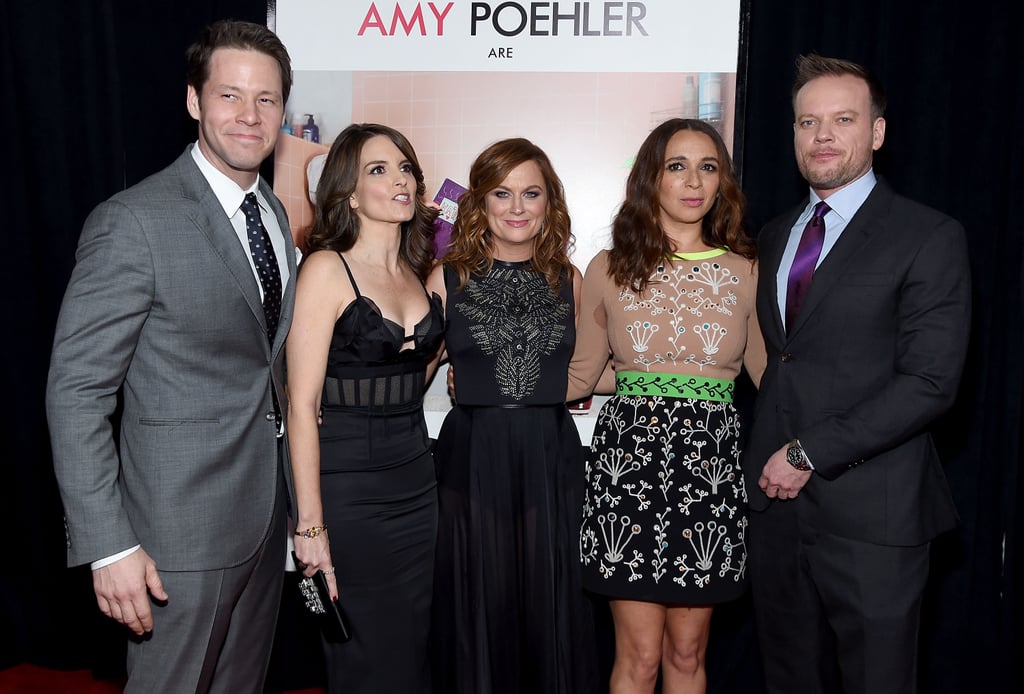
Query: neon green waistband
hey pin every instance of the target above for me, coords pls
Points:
(673, 386)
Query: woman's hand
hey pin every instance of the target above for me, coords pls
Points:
(314, 554)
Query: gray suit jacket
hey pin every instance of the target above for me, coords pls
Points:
(873, 358)
(164, 308)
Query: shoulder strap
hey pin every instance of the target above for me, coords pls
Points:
(351, 279)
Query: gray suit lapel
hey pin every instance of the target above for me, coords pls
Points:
(288, 294)
(211, 221)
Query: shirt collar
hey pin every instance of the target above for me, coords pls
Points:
(228, 194)
(847, 200)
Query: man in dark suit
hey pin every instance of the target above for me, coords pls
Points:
(864, 302)
(180, 301)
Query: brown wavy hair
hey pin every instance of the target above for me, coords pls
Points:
(471, 250)
(638, 242)
(336, 224)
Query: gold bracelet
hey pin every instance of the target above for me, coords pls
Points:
(311, 531)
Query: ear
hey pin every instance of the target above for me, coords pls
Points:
(353, 202)
(878, 133)
(192, 102)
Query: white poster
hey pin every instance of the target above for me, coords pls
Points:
(586, 81)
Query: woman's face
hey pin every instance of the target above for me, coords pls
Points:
(689, 180)
(515, 212)
(385, 190)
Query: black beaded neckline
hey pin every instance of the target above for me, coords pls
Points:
(514, 264)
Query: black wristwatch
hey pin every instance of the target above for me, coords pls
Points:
(796, 457)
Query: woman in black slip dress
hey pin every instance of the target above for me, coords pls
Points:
(364, 336)
(509, 613)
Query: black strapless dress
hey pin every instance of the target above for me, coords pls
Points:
(380, 502)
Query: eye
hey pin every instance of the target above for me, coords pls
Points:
(709, 167)
(269, 101)
(844, 119)
(376, 170)
(229, 97)
(531, 194)
(806, 123)
(406, 168)
(502, 194)
(675, 166)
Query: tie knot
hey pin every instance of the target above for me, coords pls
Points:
(820, 210)
(249, 202)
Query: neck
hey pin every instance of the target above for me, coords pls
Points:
(378, 246)
(688, 239)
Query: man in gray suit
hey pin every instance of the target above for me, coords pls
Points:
(180, 301)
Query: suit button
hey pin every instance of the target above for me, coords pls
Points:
(271, 417)
(787, 357)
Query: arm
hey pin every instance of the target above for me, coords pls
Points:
(104, 310)
(321, 291)
(435, 285)
(592, 348)
(755, 357)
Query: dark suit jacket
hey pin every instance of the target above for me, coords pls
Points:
(163, 302)
(873, 358)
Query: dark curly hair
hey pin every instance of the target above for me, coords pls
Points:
(336, 224)
(638, 242)
(471, 250)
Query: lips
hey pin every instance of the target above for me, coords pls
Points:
(401, 198)
(517, 223)
(693, 202)
(824, 154)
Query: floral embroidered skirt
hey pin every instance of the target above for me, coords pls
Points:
(665, 511)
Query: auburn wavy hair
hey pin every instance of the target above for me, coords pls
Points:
(471, 251)
(639, 244)
(336, 224)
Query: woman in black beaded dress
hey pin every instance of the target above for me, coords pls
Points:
(363, 339)
(509, 613)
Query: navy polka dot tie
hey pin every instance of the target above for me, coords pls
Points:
(266, 263)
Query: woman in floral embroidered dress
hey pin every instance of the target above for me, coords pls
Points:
(673, 303)
(509, 612)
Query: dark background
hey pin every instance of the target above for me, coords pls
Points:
(94, 100)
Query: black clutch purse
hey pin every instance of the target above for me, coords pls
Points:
(328, 613)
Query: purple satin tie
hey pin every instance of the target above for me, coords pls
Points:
(803, 264)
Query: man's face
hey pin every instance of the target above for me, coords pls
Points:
(240, 112)
(834, 134)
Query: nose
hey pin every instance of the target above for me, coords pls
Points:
(248, 113)
(693, 179)
(517, 205)
(823, 133)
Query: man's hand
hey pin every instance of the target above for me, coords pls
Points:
(121, 590)
(779, 479)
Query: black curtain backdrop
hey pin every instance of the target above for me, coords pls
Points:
(94, 94)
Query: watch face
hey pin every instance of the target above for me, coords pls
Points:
(795, 457)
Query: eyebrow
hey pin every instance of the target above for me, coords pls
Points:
(683, 157)
(378, 162)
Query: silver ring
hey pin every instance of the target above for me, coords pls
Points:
(329, 571)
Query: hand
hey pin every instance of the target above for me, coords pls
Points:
(121, 590)
(314, 554)
(779, 479)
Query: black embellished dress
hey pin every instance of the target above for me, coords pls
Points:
(379, 497)
(509, 612)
